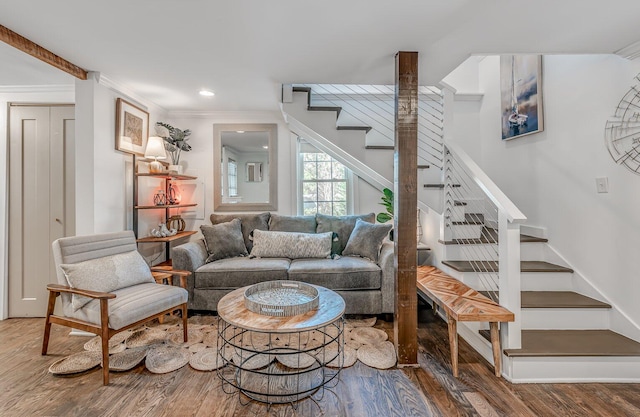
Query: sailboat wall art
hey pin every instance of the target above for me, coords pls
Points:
(521, 95)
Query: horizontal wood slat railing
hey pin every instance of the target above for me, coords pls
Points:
(461, 303)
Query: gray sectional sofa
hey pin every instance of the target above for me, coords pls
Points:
(366, 285)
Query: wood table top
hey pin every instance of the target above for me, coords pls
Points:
(231, 309)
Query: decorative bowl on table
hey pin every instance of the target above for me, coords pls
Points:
(281, 298)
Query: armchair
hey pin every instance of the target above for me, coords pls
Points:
(106, 287)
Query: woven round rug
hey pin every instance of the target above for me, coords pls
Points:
(255, 340)
(163, 359)
(348, 357)
(176, 338)
(75, 363)
(380, 356)
(116, 343)
(206, 359)
(368, 335)
(368, 322)
(127, 359)
(146, 337)
(210, 339)
(296, 360)
(197, 347)
(250, 360)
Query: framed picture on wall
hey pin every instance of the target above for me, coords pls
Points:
(521, 95)
(132, 128)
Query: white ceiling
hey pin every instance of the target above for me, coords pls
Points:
(167, 50)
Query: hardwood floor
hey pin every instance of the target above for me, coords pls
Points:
(27, 389)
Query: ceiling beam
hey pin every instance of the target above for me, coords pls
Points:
(25, 45)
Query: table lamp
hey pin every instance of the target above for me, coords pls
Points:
(155, 150)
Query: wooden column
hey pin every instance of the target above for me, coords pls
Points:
(405, 325)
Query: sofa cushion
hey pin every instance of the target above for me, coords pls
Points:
(223, 240)
(346, 273)
(301, 224)
(106, 274)
(238, 272)
(249, 223)
(366, 240)
(342, 225)
(291, 245)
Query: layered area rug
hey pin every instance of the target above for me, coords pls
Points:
(161, 348)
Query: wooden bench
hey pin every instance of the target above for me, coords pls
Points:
(461, 303)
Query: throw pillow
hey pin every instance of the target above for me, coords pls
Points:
(300, 224)
(291, 245)
(249, 223)
(366, 240)
(106, 274)
(342, 225)
(223, 240)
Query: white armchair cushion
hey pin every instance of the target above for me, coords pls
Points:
(106, 274)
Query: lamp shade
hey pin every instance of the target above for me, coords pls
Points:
(155, 148)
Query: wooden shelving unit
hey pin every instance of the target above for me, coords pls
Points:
(167, 178)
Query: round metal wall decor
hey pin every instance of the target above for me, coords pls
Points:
(622, 132)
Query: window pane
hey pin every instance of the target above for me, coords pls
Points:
(324, 208)
(340, 191)
(309, 208)
(308, 156)
(338, 171)
(323, 157)
(324, 191)
(309, 169)
(324, 170)
(340, 209)
(309, 191)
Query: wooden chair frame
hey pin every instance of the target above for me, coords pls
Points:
(103, 329)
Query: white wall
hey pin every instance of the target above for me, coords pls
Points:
(551, 175)
(59, 94)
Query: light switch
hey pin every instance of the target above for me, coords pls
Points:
(602, 184)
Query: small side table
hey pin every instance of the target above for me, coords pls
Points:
(280, 345)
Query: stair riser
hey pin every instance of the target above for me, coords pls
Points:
(565, 318)
(574, 369)
(466, 231)
(528, 252)
(530, 281)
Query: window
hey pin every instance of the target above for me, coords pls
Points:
(232, 176)
(324, 183)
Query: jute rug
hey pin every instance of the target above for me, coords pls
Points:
(161, 348)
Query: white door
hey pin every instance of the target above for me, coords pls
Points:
(38, 209)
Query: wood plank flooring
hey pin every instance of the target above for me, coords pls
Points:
(27, 389)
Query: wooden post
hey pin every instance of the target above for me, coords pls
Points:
(405, 325)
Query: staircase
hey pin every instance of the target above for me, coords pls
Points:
(563, 325)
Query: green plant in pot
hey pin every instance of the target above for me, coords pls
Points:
(387, 202)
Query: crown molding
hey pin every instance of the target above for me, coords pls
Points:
(112, 85)
(57, 88)
(630, 52)
(228, 115)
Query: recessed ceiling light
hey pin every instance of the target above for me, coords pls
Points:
(239, 131)
(207, 93)
(265, 146)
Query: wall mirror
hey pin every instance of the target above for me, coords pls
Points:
(244, 164)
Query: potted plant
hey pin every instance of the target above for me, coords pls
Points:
(387, 202)
(175, 141)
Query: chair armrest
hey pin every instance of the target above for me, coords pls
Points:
(385, 262)
(175, 272)
(87, 293)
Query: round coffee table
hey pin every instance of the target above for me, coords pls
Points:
(280, 359)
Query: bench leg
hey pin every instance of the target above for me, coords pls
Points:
(453, 344)
(495, 345)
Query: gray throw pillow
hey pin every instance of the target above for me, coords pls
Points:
(300, 224)
(342, 226)
(291, 245)
(366, 240)
(224, 240)
(249, 222)
(106, 274)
